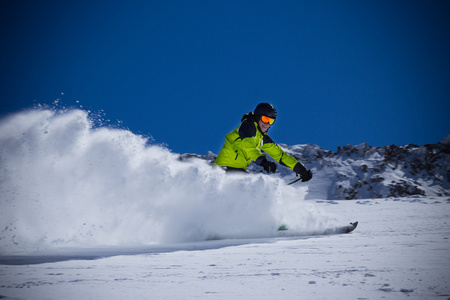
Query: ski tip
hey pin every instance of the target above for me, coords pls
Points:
(354, 224)
(347, 229)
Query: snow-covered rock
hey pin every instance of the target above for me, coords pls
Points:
(363, 171)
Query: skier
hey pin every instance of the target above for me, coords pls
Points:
(244, 145)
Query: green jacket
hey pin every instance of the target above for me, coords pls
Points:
(246, 143)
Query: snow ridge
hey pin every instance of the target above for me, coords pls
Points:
(363, 171)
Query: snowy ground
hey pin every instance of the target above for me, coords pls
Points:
(401, 249)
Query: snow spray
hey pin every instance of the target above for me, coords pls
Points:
(67, 183)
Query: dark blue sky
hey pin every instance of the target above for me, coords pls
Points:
(184, 72)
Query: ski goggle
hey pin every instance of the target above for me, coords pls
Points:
(267, 120)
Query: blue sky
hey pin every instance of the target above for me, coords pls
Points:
(184, 72)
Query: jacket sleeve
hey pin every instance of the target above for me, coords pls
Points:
(277, 153)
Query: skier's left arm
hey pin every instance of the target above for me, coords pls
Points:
(285, 159)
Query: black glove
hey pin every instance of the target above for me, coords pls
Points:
(269, 166)
(305, 174)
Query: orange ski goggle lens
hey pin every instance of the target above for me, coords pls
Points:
(267, 120)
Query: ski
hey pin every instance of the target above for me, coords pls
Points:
(337, 230)
(344, 229)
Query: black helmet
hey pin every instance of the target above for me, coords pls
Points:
(265, 109)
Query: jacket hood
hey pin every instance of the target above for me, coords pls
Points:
(250, 116)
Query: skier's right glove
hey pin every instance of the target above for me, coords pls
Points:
(269, 166)
(305, 174)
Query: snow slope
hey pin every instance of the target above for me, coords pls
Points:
(92, 212)
(400, 250)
